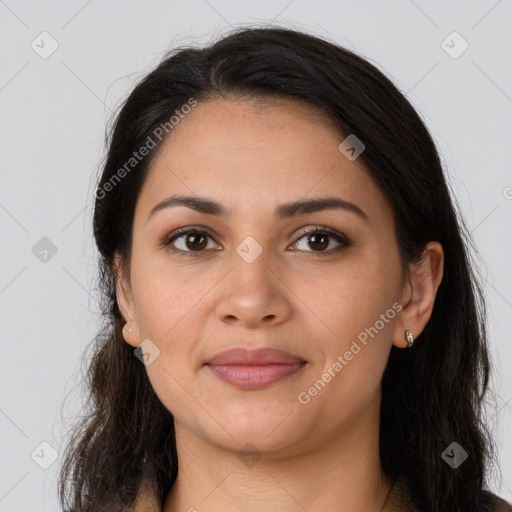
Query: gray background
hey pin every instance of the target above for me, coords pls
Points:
(53, 115)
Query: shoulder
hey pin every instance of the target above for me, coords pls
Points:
(147, 498)
(399, 499)
(494, 503)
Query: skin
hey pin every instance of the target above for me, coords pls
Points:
(318, 456)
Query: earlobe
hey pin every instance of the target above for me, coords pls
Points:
(420, 291)
(129, 336)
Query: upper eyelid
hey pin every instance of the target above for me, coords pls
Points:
(180, 232)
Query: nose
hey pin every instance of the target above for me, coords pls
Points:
(253, 296)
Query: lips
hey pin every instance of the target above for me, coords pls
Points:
(254, 357)
(254, 369)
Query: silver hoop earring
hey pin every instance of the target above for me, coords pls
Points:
(409, 337)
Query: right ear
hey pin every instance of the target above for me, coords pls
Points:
(125, 303)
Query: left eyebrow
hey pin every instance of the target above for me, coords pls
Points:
(288, 210)
(304, 207)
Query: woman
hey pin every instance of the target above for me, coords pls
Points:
(292, 321)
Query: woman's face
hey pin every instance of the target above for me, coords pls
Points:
(253, 278)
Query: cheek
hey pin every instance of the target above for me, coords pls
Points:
(355, 354)
(165, 295)
(356, 304)
(351, 299)
(168, 309)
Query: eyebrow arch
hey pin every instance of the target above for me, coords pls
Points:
(288, 210)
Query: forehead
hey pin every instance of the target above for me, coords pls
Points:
(225, 125)
(249, 154)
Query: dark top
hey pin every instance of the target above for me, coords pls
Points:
(398, 500)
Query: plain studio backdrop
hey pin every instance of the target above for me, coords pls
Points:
(66, 65)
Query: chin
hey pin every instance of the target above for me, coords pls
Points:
(264, 431)
(256, 443)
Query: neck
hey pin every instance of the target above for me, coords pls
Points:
(339, 472)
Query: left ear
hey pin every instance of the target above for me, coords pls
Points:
(419, 293)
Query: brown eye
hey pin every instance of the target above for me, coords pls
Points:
(195, 241)
(188, 241)
(319, 239)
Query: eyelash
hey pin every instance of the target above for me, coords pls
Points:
(341, 238)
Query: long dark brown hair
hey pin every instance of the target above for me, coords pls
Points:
(432, 393)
